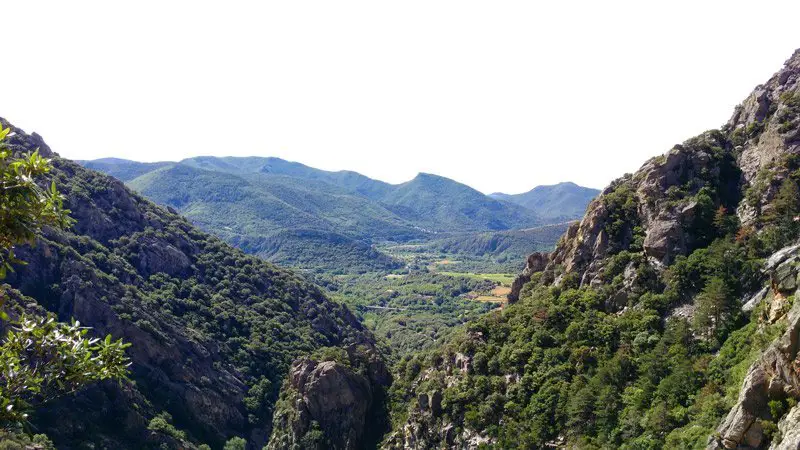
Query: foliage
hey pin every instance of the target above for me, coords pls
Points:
(25, 207)
(409, 311)
(162, 423)
(622, 225)
(235, 443)
(41, 359)
(17, 440)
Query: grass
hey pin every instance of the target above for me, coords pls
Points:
(505, 279)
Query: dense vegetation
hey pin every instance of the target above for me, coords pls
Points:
(494, 252)
(601, 376)
(410, 311)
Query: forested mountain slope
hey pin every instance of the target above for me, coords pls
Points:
(297, 215)
(665, 318)
(213, 331)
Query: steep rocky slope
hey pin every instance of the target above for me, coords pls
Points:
(634, 331)
(213, 331)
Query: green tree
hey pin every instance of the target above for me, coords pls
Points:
(786, 207)
(787, 202)
(714, 308)
(235, 443)
(726, 224)
(41, 359)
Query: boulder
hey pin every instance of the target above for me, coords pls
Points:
(664, 239)
(331, 394)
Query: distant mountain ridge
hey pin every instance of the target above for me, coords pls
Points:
(283, 210)
(564, 200)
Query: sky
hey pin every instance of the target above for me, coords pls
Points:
(500, 95)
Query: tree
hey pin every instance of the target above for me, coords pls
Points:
(786, 207)
(726, 224)
(714, 307)
(787, 202)
(41, 359)
(235, 443)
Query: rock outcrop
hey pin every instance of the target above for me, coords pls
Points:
(536, 262)
(332, 404)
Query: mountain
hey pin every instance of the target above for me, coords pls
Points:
(566, 201)
(296, 215)
(665, 318)
(441, 204)
(214, 332)
(122, 169)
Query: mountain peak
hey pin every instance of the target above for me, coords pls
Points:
(565, 200)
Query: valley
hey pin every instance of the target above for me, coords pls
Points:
(254, 303)
(407, 279)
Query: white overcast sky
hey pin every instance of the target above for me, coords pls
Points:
(501, 95)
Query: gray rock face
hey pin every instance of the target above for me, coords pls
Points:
(761, 151)
(155, 257)
(333, 396)
(537, 262)
(763, 110)
(336, 397)
(789, 428)
(664, 239)
(755, 300)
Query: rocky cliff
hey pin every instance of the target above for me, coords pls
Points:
(332, 404)
(213, 331)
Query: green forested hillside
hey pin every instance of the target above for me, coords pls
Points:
(280, 210)
(498, 251)
(213, 330)
(440, 204)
